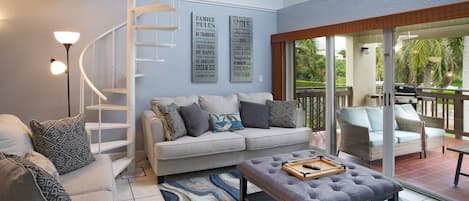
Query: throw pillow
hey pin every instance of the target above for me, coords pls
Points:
(254, 115)
(175, 121)
(14, 136)
(164, 122)
(219, 104)
(44, 163)
(226, 122)
(23, 180)
(194, 119)
(65, 142)
(283, 113)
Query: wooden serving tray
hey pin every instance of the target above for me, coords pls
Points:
(326, 167)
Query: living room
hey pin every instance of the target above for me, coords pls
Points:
(119, 89)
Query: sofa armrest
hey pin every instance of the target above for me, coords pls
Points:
(354, 139)
(414, 126)
(433, 121)
(152, 133)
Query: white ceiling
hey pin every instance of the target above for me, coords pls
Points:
(258, 4)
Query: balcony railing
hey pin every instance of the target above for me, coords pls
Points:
(313, 102)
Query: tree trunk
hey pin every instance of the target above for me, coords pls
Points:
(427, 75)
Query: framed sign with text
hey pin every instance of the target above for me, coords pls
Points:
(204, 49)
(240, 49)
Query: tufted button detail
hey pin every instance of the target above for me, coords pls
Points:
(276, 158)
(336, 188)
(377, 176)
(255, 162)
(354, 174)
(358, 182)
(351, 167)
(335, 179)
(312, 152)
(313, 185)
(275, 164)
(291, 182)
(313, 195)
(272, 171)
(295, 155)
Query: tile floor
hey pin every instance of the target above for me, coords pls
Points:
(142, 186)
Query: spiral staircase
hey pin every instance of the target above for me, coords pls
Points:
(95, 94)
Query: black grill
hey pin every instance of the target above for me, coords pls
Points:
(405, 94)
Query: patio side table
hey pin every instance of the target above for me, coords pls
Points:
(461, 149)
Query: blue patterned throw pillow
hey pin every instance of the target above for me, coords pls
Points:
(226, 122)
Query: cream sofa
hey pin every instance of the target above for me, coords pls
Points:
(213, 150)
(92, 182)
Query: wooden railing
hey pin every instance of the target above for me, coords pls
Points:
(447, 104)
(313, 102)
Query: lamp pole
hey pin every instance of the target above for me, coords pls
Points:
(67, 48)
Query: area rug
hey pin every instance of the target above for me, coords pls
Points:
(216, 187)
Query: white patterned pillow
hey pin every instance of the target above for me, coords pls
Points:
(44, 163)
(65, 142)
(14, 136)
(219, 104)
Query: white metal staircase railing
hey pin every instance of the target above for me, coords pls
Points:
(93, 128)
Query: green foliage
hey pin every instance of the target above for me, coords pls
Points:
(307, 83)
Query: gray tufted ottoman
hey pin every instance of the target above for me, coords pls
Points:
(357, 183)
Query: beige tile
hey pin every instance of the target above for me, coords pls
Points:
(138, 173)
(145, 188)
(142, 164)
(149, 175)
(153, 198)
(123, 192)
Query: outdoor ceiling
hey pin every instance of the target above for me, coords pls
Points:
(449, 28)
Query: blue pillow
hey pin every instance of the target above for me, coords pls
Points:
(226, 122)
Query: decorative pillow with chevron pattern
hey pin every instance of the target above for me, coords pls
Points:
(65, 142)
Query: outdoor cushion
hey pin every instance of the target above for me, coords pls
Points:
(99, 195)
(376, 139)
(356, 116)
(375, 115)
(259, 98)
(406, 111)
(97, 176)
(257, 138)
(434, 132)
(207, 144)
(406, 136)
(219, 104)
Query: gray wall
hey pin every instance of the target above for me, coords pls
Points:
(30, 91)
(314, 13)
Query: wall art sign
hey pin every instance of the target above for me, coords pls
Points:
(204, 49)
(240, 49)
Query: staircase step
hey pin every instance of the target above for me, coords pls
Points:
(107, 146)
(93, 126)
(158, 7)
(150, 60)
(107, 107)
(155, 27)
(153, 44)
(139, 75)
(119, 165)
(116, 90)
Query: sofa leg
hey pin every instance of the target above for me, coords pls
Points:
(160, 179)
(424, 153)
(420, 155)
(443, 149)
(338, 152)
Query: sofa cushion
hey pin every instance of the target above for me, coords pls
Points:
(376, 139)
(406, 111)
(99, 195)
(254, 115)
(356, 116)
(179, 101)
(97, 176)
(434, 132)
(259, 98)
(257, 139)
(44, 163)
(219, 104)
(14, 136)
(208, 143)
(64, 141)
(375, 115)
(195, 119)
(406, 136)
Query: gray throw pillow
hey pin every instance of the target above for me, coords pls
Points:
(65, 142)
(195, 119)
(175, 121)
(254, 115)
(283, 113)
(23, 180)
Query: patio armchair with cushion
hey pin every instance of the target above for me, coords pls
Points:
(362, 132)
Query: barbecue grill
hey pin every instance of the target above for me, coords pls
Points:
(406, 94)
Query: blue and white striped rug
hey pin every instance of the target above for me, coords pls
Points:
(217, 187)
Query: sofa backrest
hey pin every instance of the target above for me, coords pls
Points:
(356, 116)
(14, 136)
(406, 111)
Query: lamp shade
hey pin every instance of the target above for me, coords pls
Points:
(66, 37)
(57, 67)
